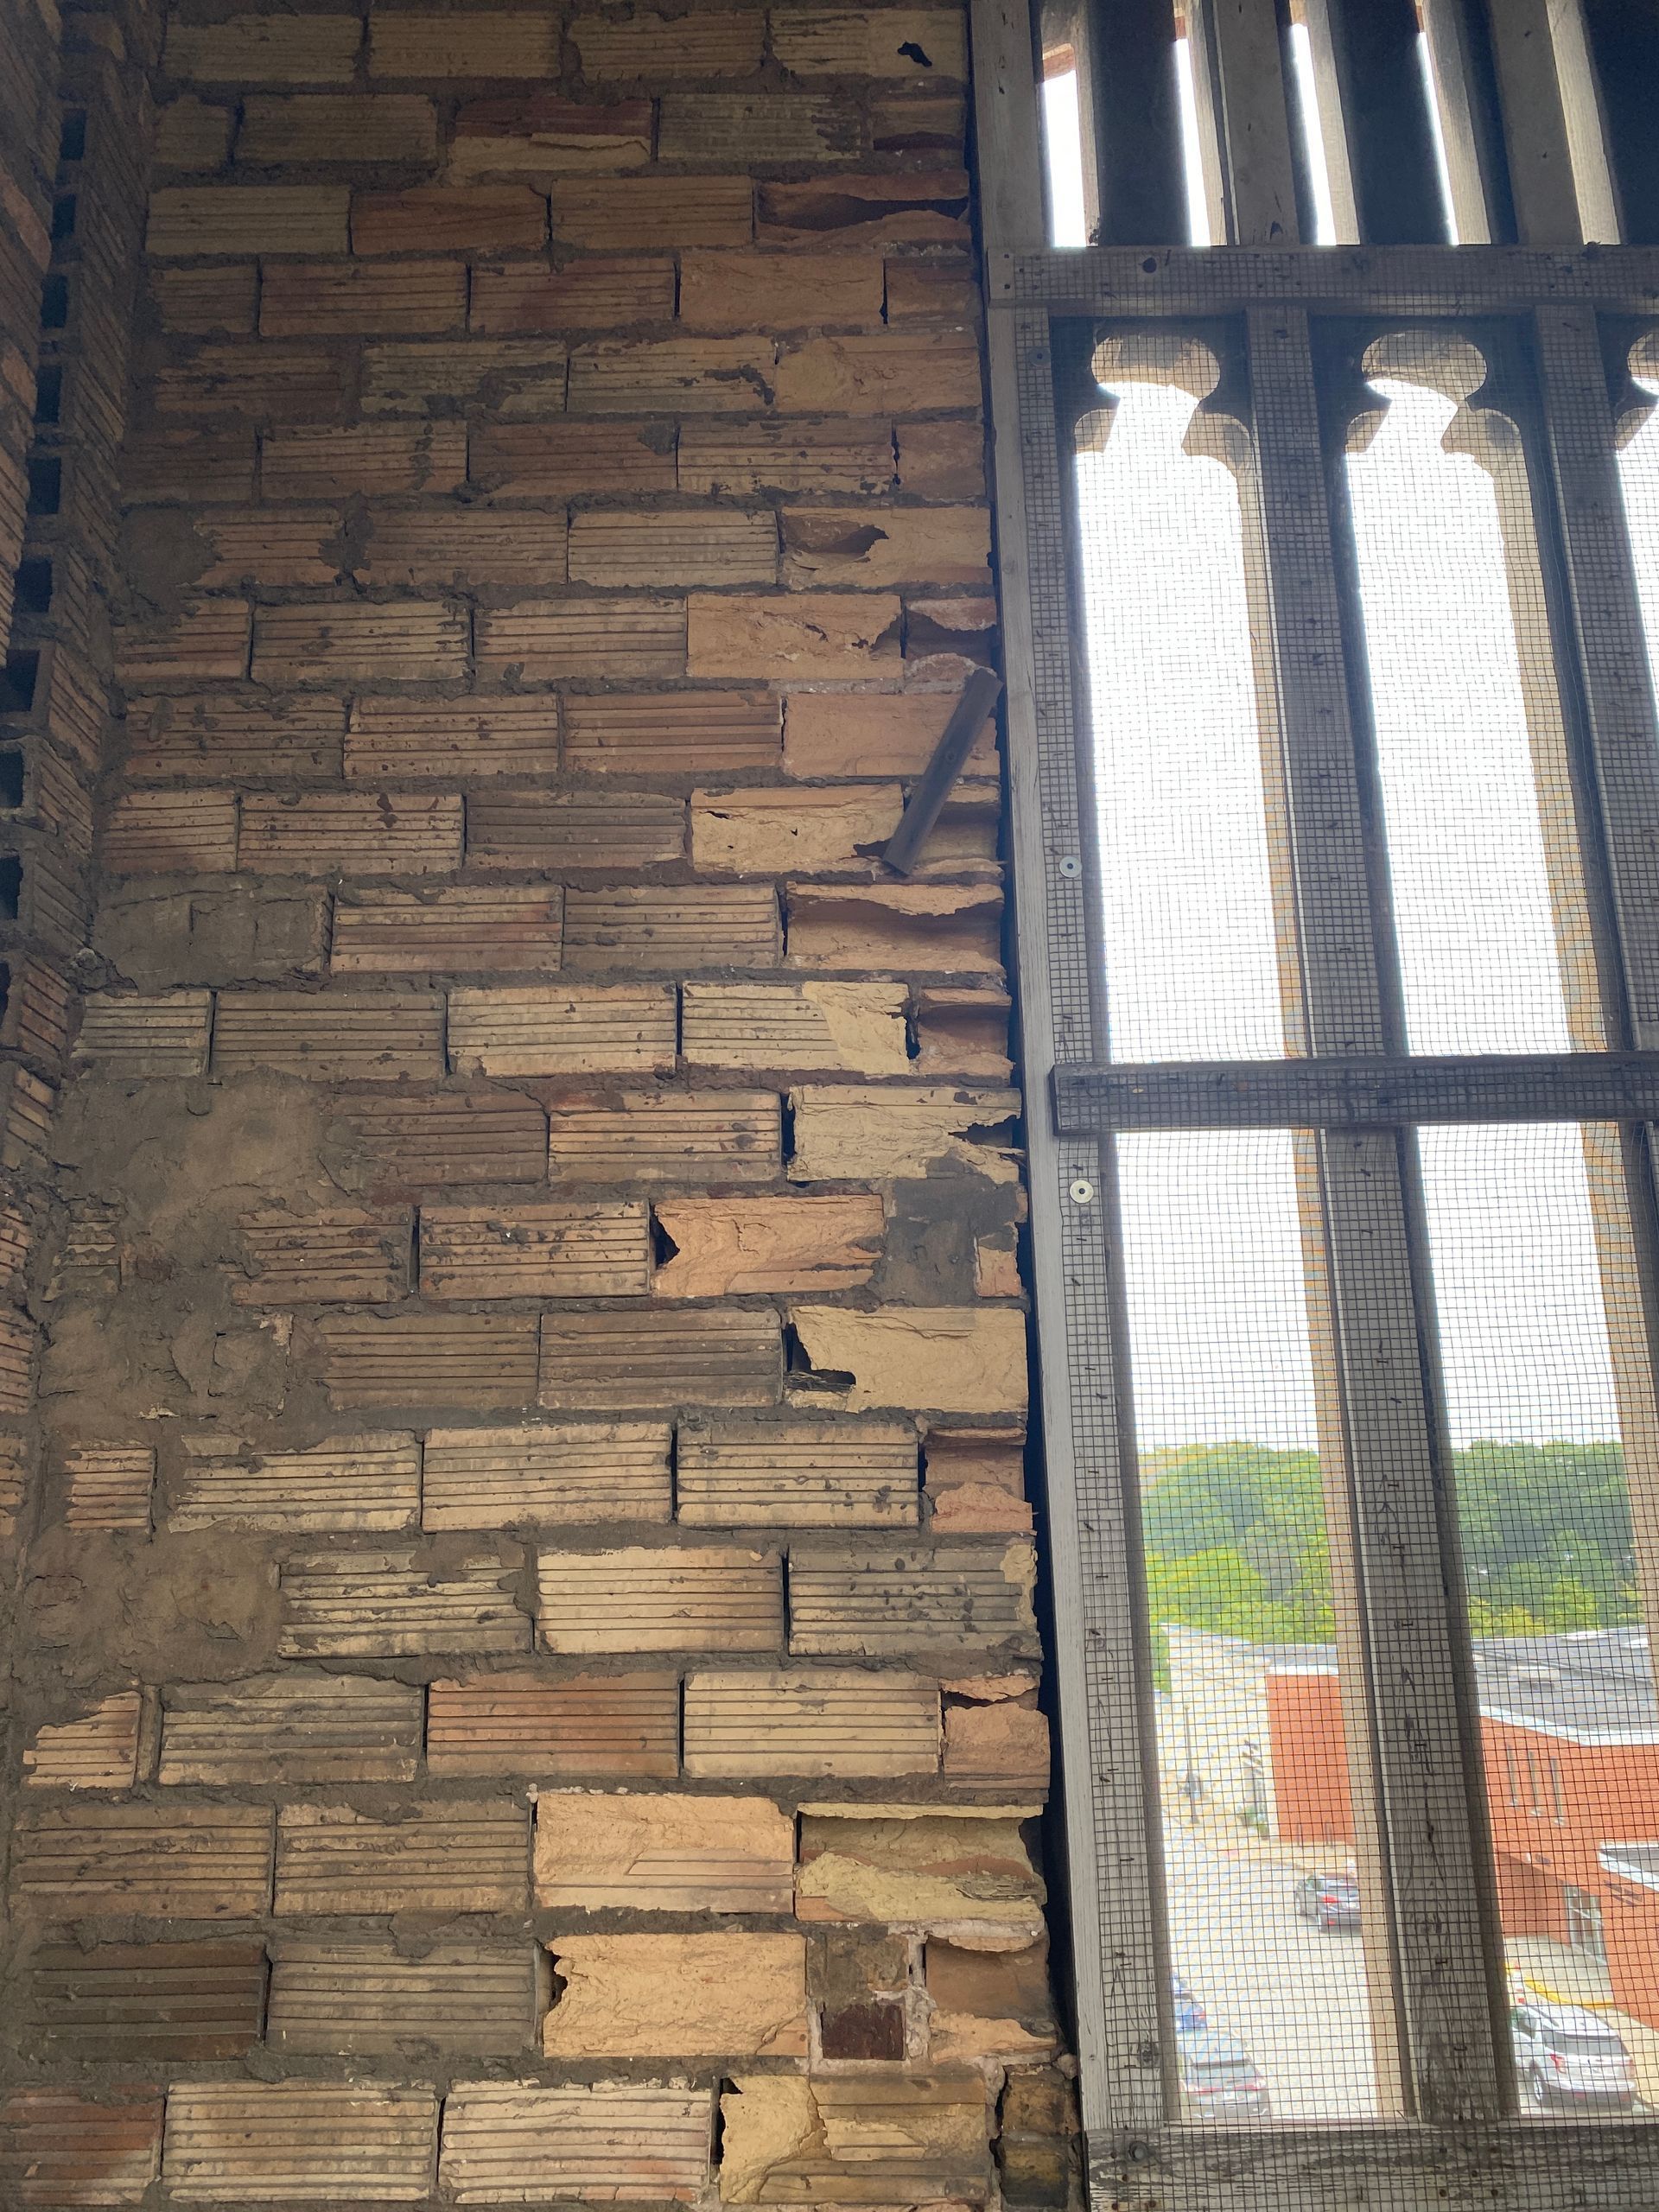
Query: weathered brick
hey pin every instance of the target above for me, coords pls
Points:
(265, 49)
(577, 830)
(609, 2142)
(899, 371)
(98, 1749)
(343, 1257)
(282, 384)
(454, 931)
(185, 2001)
(678, 1996)
(808, 635)
(208, 640)
(649, 1362)
(541, 641)
(248, 219)
(370, 457)
(720, 291)
(857, 1602)
(193, 133)
(329, 1995)
(151, 833)
(293, 1728)
(313, 127)
(726, 1248)
(718, 1136)
(559, 1249)
(872, 733)
(512, 375)
(571, 1029)
(644, 1853)
(437, 545)
(772, 831)
(315, 833)
(705, 43)
(810, 1720)
(886, 207)
(883, 2137)
(126, 1034)
(708, 545)
(472, 44)
(353, 641)
(578, 1728)
(349, 299)
(674, 733)
(654, 211)
(403, 738)
(754, 128)
(741, 457)
(593, 295)
(197, 1862)
(214, 739)
(392, 1146)
(200, 301)
(674, 376)
(799, 1475)
(577, 1472)
(58, 2148)
(384, 1037)
(260, 2142)
(854, 1028)
(544, 135)
(681, 929)
(438, 218)
(270, 545)
(871, 41)
(559, 460)
(481, 1361)
(390, 1604)
(918, 1863)
(884, 548)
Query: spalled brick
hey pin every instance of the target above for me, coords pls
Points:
(854, 1028)
(720, 291)
(905, 1863)
(969, 1360)
(306, 128)
(475, 44)
(729, 1247)
(861, 2138)
(438, 218)
(544, 136)
(885, 207)
(638, 1853)
(853, 1132)
(349, 299)
(943, 291)
(871, 41)
(900, 372)
(821, 830)
(683, 1996)
(265, 49)
(592, 295)
(632, 212)
(908, 928)
(248, 219)
(884, 549)
(941, 460)
(98, 1750)
(803, 637)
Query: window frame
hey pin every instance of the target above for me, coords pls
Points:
(1361, 1098)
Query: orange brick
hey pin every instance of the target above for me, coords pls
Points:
(370, 457)
(559, 460)
(594, 295)
(544, 136)
(674, 733)
(466, 44)
(435, 218)
(698, 545)
(805, 636)
(654, 211)
(893, 207)
(345, 299)
(183, 833)
(797, 291)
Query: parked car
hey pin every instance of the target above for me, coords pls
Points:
(1189, 2009)
(1565, 2055)
(1329, 1900)
(1219, 2079)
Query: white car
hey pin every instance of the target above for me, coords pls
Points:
(1565, 2055)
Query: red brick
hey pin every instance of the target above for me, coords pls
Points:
(544, 136)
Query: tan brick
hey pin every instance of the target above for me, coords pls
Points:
(720, 291)
(674, 376)
(609, 2142)
(718, 1136)
(884, 548)
(941, 460)
(997, 1746)
(314, 127)
(702, 44)
(330, 1996)
(292, 1727)
(193, 133)
(392, 1147)
(248, 219)
(887, 208)
(654, 211)
(821, 829)
(868, 2138)
(197, 1862)
(283, 383)
(212, 739)
(353, 641)
(809, 635)
(456, 740)
(367, 1481)
(917, 1862)
(369, 457)
(745, 129)
(640, 1854)
(384, 1037)
(559, 1249)
(343, 1257)
(709, 545)
(123, 1035)
(575, 832)
(559, 460)
(58, 2148)
(872, 733)
(316, 833)
(871, 41)
(852, 1028)
(270, 545)
(541, 641)
(513, 376)
(481, 1361)
(739, 457)
(653, 1362)
(468, 545)
(945, 291)
(200, 302)
(683, 1997)
(264, 2142)
(969, 1360)
(350, 299)
(799, 1475)
(909, 928)
(440, 218)
(963, 1031)
(575, 1729)
(208, 640)
(161, 833)
(187, 2000)
(571, 1029)
(727, 1248)
(544, 135)
(455, 931)
(593, 295)
(974, 1478)
(265, 49)
(683, 733)
(471, 44)
(98, 1749)
(731, 926)
(578, 1472)
(391, 1605)
(899, 371)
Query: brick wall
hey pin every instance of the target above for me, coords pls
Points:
(531, 1690)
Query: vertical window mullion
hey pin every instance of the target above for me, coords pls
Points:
(1423, 1719)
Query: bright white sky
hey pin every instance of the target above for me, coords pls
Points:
(1219, 1342)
